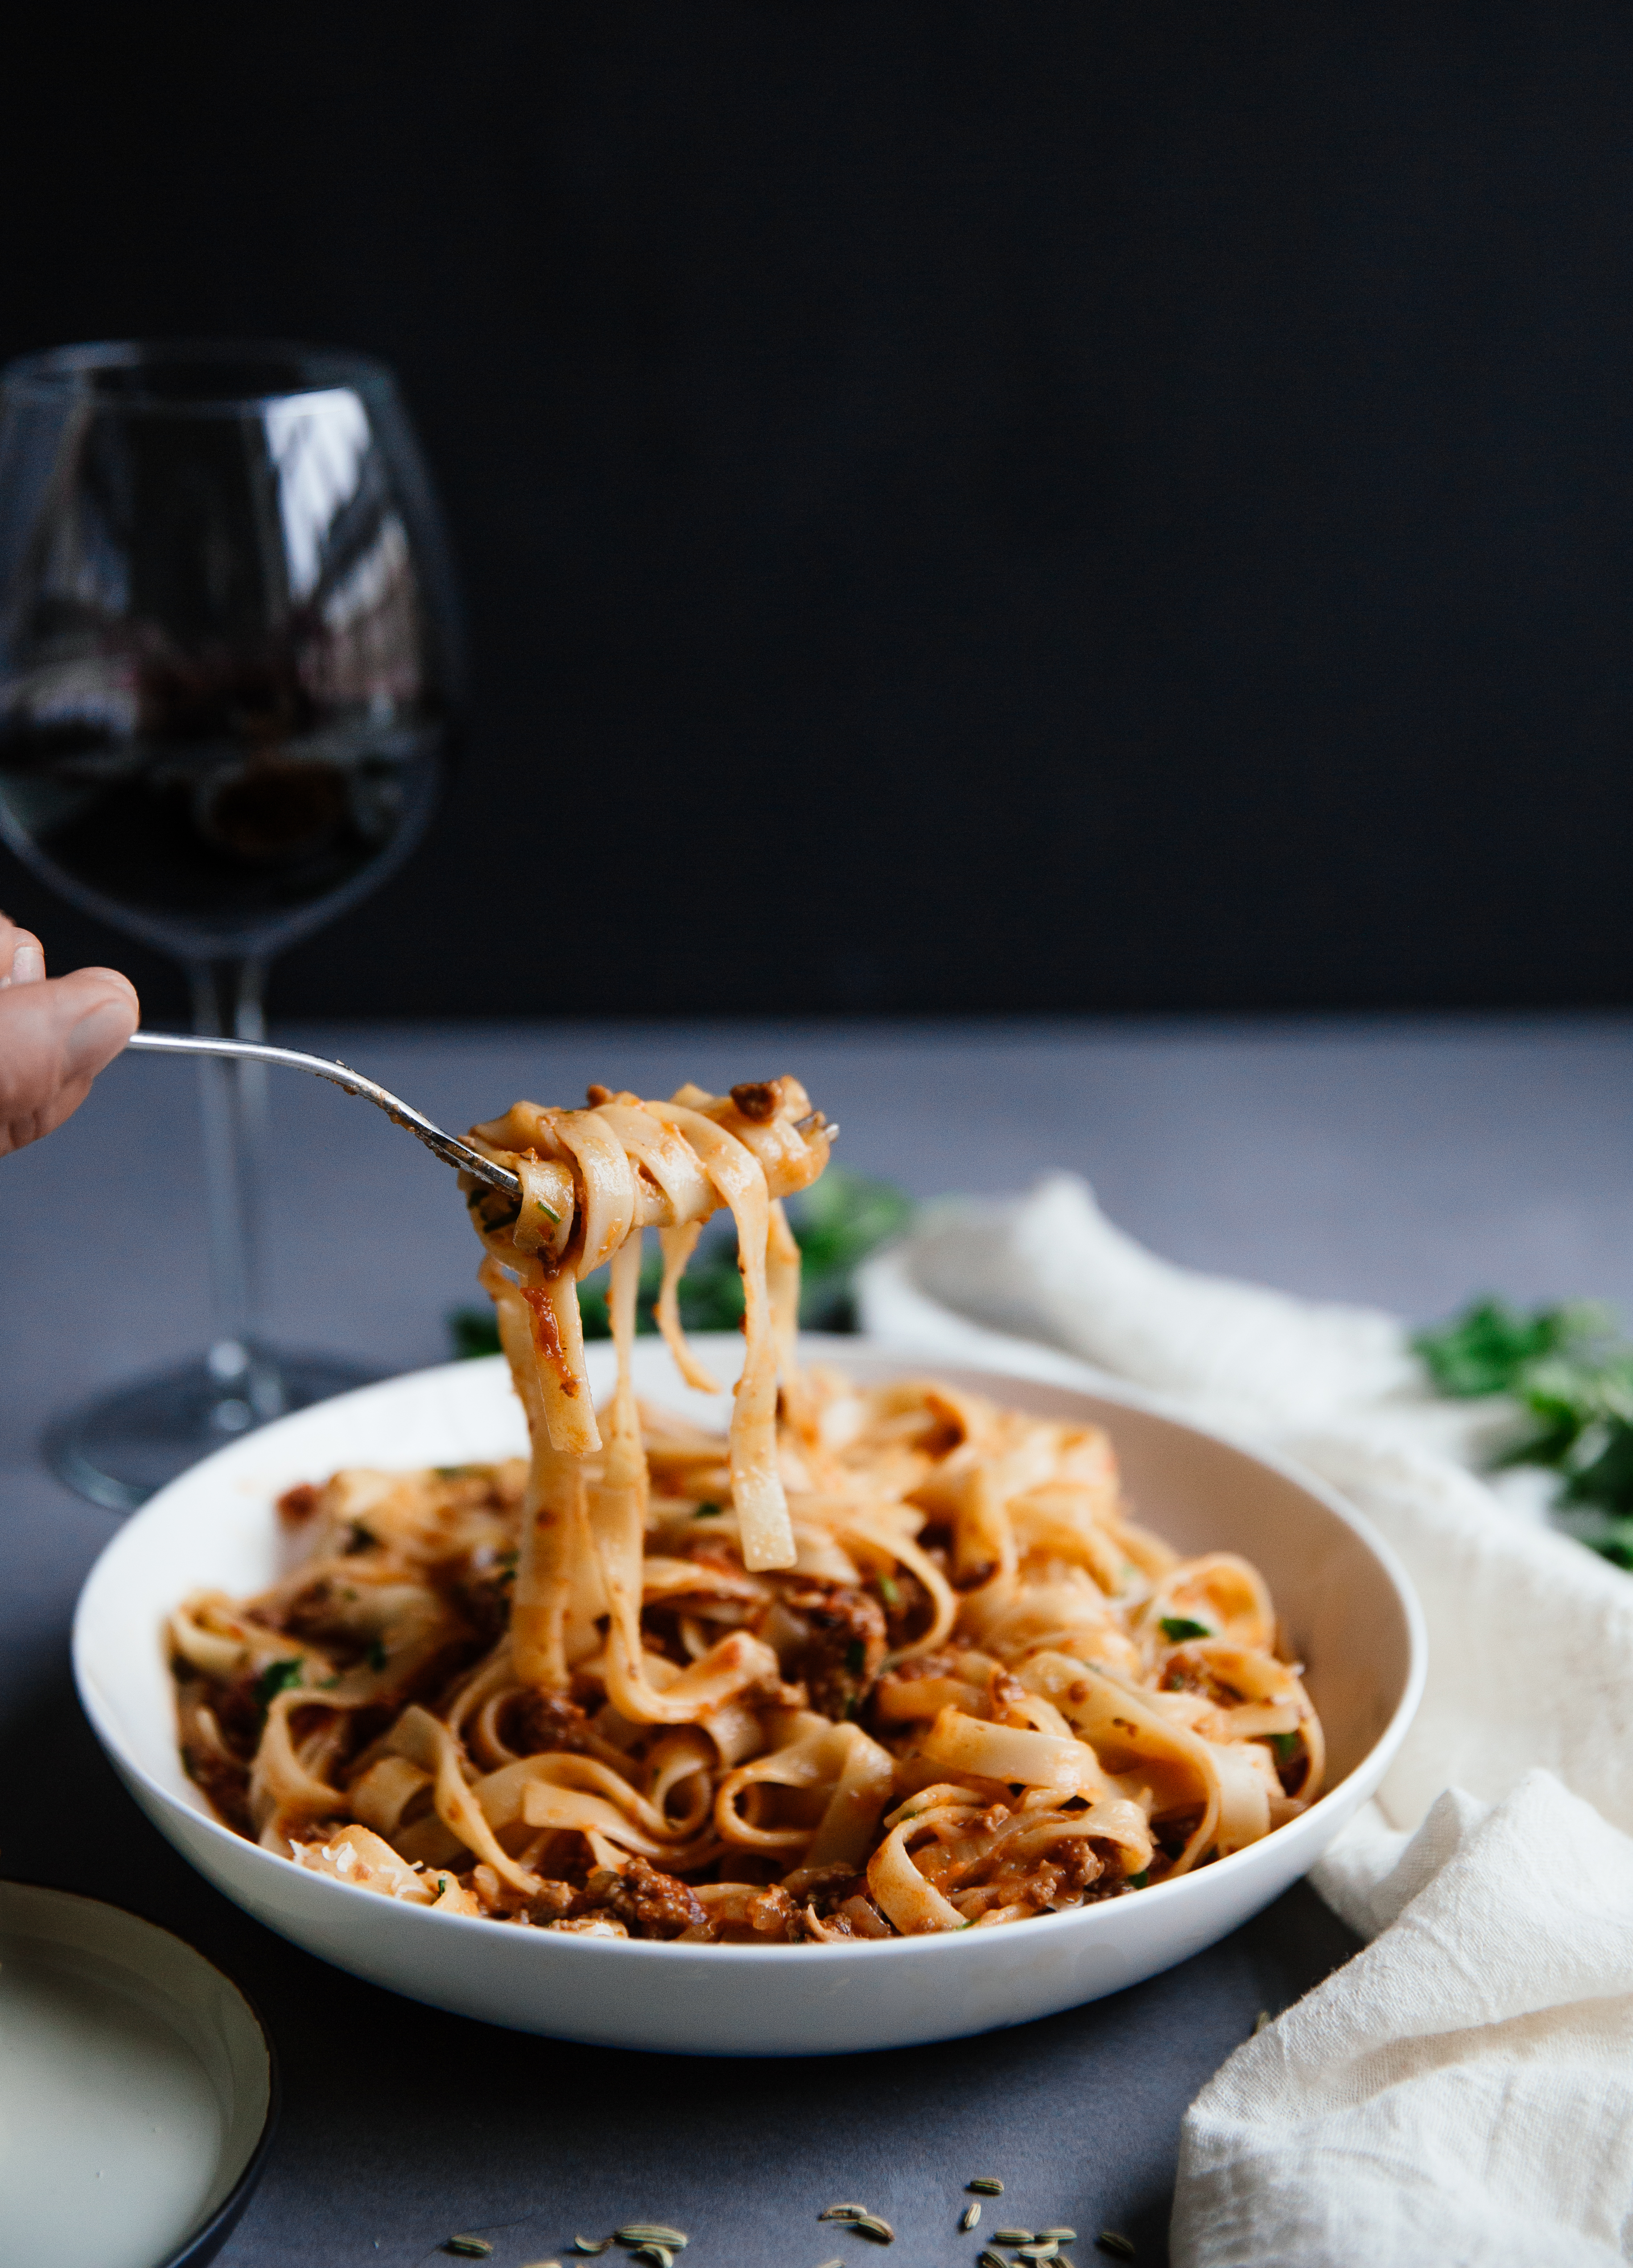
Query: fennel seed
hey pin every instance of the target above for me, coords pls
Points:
(1058, 2235)
(1114, 2240)
(843, 2213)
(971, 2215)
(1012, 2236)
(869, 2224)
(984, 2185)
(650, 2232)
(469, 2248)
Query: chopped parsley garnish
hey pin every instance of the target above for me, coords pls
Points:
(1286, 1745)
(376, 1655)
(856, 1657)
(890, 1591)
(1180, 1627)
(540, 1206)
(706, 1512)
(1141, 1881)
(275, 1677)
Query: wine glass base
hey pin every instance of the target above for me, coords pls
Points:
(118, 1449)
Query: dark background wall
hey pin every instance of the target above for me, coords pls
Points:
(1140, 497)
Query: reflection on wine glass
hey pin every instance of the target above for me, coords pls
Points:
(229, 673)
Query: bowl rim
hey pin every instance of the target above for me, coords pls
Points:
(202, 2243)
(933, 1945)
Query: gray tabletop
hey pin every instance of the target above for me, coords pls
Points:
(1410, 1165)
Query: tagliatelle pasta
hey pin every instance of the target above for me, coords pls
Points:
(878, 1660)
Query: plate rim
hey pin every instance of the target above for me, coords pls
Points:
(202, 2243)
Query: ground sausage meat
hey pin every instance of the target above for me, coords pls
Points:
(647, 1903)
(536, 1722)
(840, 1659)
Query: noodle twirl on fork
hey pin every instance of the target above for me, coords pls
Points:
(881, 1660)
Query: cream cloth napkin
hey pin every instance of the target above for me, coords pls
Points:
(1463, 2089)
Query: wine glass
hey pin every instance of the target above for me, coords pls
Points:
(229, 673)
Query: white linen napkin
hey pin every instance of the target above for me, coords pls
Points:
(1463, 2089)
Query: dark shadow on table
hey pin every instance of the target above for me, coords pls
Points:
(403, 2124)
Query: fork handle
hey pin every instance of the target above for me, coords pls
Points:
(452, 1153)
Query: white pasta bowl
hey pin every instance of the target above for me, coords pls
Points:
(1345, 1600)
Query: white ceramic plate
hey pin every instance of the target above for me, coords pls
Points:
(1352, 1617)
(137, 2090)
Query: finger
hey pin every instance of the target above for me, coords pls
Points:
(113, 981)
(97, 1034)
(22, 956)
(55, 1037)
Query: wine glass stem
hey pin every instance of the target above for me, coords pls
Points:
(227, 996)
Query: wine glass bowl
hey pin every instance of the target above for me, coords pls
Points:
(230, 673)
(227, 660)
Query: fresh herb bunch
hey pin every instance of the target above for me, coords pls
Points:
(836, 1223)
(1572, 1374)
(1490, 1348)
(472, 1331)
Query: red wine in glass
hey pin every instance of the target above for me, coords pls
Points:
(229, 683)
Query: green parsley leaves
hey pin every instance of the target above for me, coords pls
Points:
(474, 1331)
(275, 1677)
(1492, 1348)
(1178, 1628)
(1572, 1376)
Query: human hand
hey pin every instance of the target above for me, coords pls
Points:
(56, 1034)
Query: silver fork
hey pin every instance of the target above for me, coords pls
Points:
(445, 1146)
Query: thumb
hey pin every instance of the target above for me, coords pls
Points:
(96, 1012)
(56, 1034)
